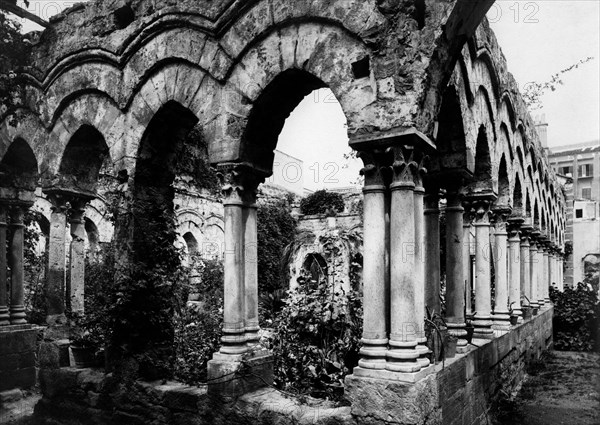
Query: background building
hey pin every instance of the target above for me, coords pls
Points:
(580, 165)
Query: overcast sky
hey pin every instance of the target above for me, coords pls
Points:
(538, 38)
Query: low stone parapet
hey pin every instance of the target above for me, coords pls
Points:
(18, 356)
(460, 391)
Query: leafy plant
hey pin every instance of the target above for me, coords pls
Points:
(198, 327)
(276, 229)
(316, 339)
(322, 202)
(576, 318)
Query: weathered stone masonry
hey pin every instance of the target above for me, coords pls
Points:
(430, 107)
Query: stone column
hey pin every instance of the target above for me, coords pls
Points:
(432, 251)
(250, 269)
(375, 294)
(543, 269)
(76, 283)
(534, 268)
(501, 316)
(455, 282)
(483, 303)
(4, 313)
(17, 294)
(514, 267)
(561, 272)
(526, 265)
(466, 257)
(55, 290)
(405, 322)
(548, 275)
(419, 274)
(233, 339)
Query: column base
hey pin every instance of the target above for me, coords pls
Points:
(459, 331)
(423, 351)
(17, 315)
(389, 375)
(483, 327)
(373, 353)
(501, 321)
(235, 375)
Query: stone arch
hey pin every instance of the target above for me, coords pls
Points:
(517, 198)
(19, 167)
(82, 159)
(93, 237)
(27, 127)
(503, 184)
(483, 164)
(453, 151)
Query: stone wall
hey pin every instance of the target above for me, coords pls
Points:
(17, 357)
(461, 391)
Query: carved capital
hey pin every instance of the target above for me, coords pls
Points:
(480, 206)
(408, 167)
(376, 168)
(501, 213)
(240, 182)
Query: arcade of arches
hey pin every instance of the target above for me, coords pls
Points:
(431, 110)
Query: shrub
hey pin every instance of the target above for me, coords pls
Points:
(34, 267)
(276, 229)
(576, 318)
(316, 340)
(198, 329)
(322, 202)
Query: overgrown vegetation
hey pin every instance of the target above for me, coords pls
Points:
(322, 202)
(276, 228)
(576, 318)
(13, 55)
(34, 267)
(316, 339)
(198, 326)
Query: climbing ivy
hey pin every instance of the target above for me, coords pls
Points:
(322, 202)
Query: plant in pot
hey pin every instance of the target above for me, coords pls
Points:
(514, 318)
(450, 347)
(87, 343)
(435, 332)
(526, 308)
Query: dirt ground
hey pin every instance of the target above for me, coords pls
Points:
(561, 389)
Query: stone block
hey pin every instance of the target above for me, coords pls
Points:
(17, 340)
(231, 378)
(20, 378)
(376, 401)
(54, 382)
(183, 397)
(10, 396)
(49, 355)
(9, 362)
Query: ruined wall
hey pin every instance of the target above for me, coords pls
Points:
(463, 390)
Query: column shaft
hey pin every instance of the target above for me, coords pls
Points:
(17, 294)
(501, 313)
(549, 266)
(419, 273)
(4, 313)
(55, 291)
(455, 282)
(514, 272)
(251, 274)
(534, 268)
(375, 267)
(483, 304)
(543, 276)
(467, 263)
(76, 287)
(432, 253)
(233, 339)
(404, 325)
(526, 268)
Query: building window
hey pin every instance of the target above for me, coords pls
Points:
(578, 213)
(586, 193)
(566, 171)
(585, 170)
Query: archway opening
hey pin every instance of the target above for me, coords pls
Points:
(503, 184)
(19, 167)
(314, 268)
(83, 157)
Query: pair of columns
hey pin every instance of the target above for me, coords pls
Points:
(240, 325)
(393, 261)
(12, 303)
(63, 295)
